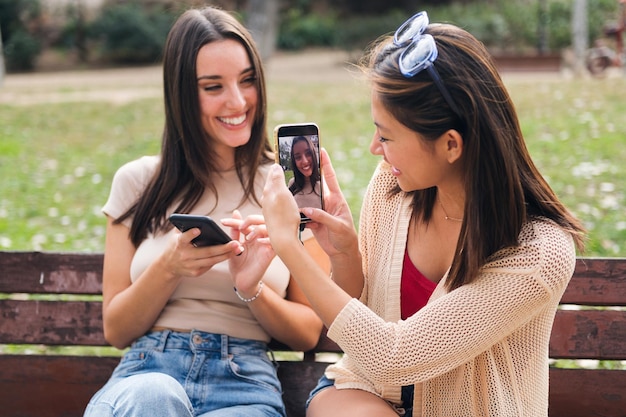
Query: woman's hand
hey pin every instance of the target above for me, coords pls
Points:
(182, 258)
(248, 268)
(333, 227)
(281, 213)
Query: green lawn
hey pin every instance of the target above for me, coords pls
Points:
(57, 161)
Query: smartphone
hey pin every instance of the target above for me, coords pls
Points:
(210, 232)
(297, 150)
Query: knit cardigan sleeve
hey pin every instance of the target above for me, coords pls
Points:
(517, 285)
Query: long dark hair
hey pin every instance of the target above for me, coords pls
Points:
(187, 165)
(503, 187)
(299, 180)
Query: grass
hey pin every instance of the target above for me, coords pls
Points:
(575, 133)
(57, 161)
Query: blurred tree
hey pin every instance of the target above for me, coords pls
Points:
(580, 34)
(542, 27)
(19, 20)
(16, 15)
(262, 22)
(377, 6)
(2, 70)
(80, 40)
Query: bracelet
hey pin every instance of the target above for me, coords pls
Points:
(249, 300)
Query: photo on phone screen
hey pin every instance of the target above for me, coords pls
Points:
(298, 153)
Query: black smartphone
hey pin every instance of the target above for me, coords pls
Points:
(297, 148)
(210, 232)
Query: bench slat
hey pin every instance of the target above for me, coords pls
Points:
(597, 282)
(587, 393)
(51, 322)
(577, 334)
(67, 383)
(50, 386)
(589, 334)
(56, 273)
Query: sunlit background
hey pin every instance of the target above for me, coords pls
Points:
(64, 134)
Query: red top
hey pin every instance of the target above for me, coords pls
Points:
(415, 288)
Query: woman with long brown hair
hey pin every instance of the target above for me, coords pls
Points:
(196, 346)
(444, 303)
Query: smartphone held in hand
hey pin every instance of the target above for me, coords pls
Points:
(210, 232)
(297, 149)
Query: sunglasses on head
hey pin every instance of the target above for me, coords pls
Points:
(420, 53)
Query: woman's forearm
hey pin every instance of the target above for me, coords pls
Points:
(325, 296)
(290, 322)
(131, 312)
(348, 273)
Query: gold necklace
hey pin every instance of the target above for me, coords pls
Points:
(456, 219)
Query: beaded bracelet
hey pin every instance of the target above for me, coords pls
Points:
(249, 300)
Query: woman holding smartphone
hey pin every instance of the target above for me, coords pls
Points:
(444, 302)
(197, 346)
(306, 182)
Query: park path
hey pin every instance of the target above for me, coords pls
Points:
(123, 85)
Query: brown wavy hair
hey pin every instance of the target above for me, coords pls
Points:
(187, 166)
(503, 186)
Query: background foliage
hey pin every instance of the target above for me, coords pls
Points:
(21, 42)
(133, 31)
(50, 197)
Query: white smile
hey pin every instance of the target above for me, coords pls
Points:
(234, 121)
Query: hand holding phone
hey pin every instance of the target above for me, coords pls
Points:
(210, 232)
(297, 149)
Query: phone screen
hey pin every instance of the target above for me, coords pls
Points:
(298, 153)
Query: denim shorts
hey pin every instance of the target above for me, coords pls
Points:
(195, 374)
(322, 384)
(406, 409)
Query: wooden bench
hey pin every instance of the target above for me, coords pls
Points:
(60, 385)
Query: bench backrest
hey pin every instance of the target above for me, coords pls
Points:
(45, 385)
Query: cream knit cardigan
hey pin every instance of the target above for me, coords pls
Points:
(480, 350)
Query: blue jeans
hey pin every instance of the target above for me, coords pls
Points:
(193, 374)
(406, 410)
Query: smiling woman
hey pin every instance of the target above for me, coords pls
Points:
(214, 159)
(443, 301)
(227, 91)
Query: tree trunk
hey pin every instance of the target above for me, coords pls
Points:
(262, 22)
(2, 70)
(542, 37)
(580, 35)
